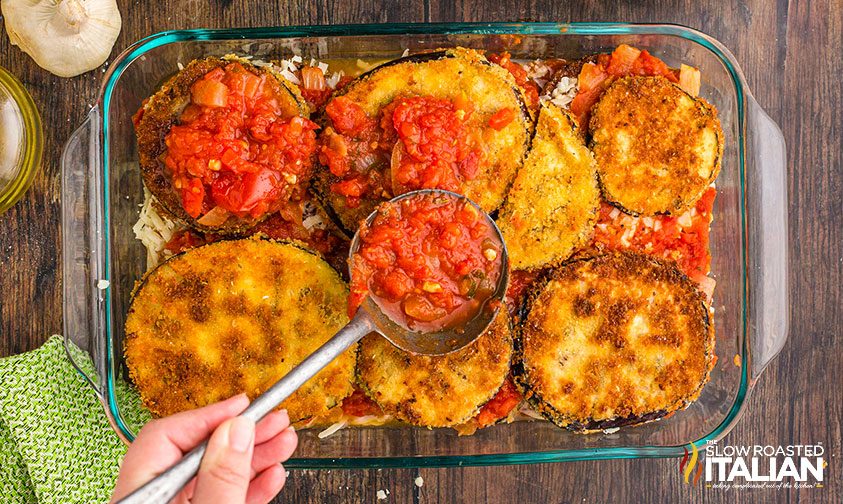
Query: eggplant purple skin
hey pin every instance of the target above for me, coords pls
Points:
(321, 188)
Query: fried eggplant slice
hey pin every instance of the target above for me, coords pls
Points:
(552, 205)
(436, 391)
(657, 147)
(459, 75)
(235, 316)
(613, 340)
(162, 110)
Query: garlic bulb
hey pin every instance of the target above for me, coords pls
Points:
(65, 37)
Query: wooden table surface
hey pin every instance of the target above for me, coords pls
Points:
(790, 52)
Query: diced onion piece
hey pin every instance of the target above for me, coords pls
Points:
(313, 78)
(685, 220)
(689, 80)
(421, 309)
(215, 217)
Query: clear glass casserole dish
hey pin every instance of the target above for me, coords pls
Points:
(102, 191)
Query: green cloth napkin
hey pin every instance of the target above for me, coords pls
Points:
(56, 445)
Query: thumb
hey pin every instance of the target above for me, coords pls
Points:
(224, 474)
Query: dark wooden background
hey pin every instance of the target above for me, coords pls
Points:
(792, 56)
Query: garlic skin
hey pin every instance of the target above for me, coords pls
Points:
(65, 37)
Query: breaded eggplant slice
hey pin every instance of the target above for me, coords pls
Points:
(444, 74)
(613, 340)
(436, 391)
(162, 110)
(235, 316)
(657, 147)
(552, 206)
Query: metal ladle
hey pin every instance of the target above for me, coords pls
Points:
(368, 319)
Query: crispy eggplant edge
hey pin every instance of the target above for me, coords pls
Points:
(520, 375)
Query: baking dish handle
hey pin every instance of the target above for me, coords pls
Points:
(82, 255)
(766, 198)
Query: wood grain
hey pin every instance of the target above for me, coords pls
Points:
(790, 52)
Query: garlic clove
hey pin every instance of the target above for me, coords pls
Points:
(65, 37)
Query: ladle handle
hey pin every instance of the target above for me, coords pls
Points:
(166, 485)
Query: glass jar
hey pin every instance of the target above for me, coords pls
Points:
(21, 140)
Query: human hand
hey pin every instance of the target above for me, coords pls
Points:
(242, 463)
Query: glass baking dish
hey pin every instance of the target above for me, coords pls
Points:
(102, 191)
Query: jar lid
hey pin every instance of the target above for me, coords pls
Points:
(21, 140)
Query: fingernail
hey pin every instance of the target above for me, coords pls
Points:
(241, 434)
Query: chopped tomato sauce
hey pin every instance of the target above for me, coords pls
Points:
(435, 148)
(530, 88)
(596, 77)
(417, 142)
(500, 405)
(353, 148)
(430, 261)
(236, 147)
(358, 404)
(684, 239)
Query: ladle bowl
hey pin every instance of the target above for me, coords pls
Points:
(370, 318)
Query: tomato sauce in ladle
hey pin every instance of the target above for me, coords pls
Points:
(408, 244)
(430, 260)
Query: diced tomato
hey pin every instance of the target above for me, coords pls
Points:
(591, 81)
(209, 93)
(501, 118)
(185, 240)
(313, 78)
(662, 236)
(343, 82)
(595, 77)
(647, 64)
(358, 405)
(592, 76)
(354, 188)
(500, 405)
(235, 148)
(436, 150)
(347, 117)
(623, 58)
(530, 88)
(427, 261)
(193, 195)
(246, 193)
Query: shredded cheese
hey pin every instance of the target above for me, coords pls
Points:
(153, 229)
(332, 429)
